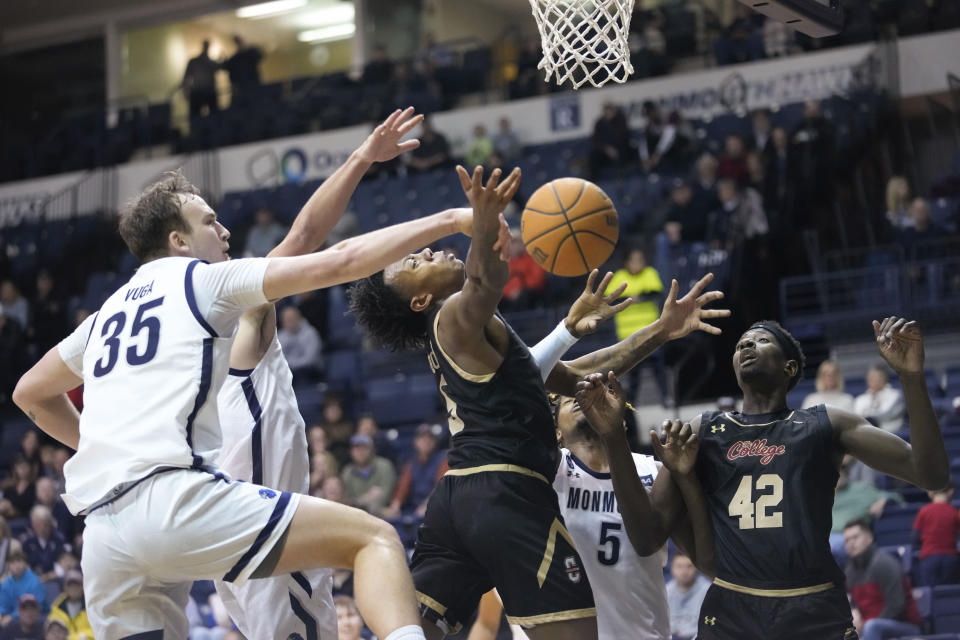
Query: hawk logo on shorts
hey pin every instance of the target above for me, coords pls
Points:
(572, 568)
(710, 620)
(267, 494)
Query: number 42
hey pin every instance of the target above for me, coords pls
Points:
(743, 507)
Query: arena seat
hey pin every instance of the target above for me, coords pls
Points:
(945, 608)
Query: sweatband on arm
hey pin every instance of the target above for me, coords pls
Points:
(547, 352)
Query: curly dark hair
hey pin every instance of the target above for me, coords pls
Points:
(800, 357)
(149, 218)
(385, 316)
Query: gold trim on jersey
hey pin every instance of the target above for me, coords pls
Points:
(555, 528)
(774, 593)
(512, 468)
(463, 373)
(763, 424)
(571, 614)
(439, 609)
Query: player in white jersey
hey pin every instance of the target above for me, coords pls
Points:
(264, 437)
(151, 361)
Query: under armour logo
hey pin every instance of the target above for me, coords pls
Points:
(715, 428)
(712, 621)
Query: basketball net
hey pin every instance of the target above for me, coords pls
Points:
(584, 40)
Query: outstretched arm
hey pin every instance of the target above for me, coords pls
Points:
(315, 221)
(923, 461)
(679, 318)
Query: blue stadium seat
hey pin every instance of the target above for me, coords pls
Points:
(895, 525)
(945, 609)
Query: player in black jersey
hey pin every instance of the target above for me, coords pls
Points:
(769, 475)
(494, 520)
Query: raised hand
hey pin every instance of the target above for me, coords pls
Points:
(464, 216)
(592, 307)
(490, 200)
(901, 344)
(676, 446)
(603, 402)
(686, 315)
(384, 144)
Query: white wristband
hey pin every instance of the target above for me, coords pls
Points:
(548, 351)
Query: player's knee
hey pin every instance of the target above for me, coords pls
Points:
(383, 534)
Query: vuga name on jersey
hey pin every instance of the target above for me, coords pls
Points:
(601, 501)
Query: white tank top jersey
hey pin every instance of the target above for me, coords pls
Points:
(264, 436)
(629, 590)
(152, 360)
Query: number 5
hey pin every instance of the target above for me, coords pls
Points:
(613, 539)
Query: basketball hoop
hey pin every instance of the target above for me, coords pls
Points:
(584, 40)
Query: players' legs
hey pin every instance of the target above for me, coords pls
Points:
(327, 534)
(582, 629)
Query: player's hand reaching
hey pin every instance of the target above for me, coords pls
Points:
(490, 200)
(686, 315)
(603, 402)
(384, 144)
(592, 307)
(676, 446)
(901, 344)
(464, 216)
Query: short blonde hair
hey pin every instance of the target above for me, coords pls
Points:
(824, 365)
(895, 202)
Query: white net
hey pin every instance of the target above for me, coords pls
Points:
(584, 40)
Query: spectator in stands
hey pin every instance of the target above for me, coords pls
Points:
(704, 200)
(332, 490)
(434, 54)
(935, 530)
(898, 202)
(656, 138)
(317, 446)
(71, 609)
(19, 490)
(646, 289)
(21, 581)
(813, 146)
(480, 148)
(854, 501)
(367, 425)
(881, 403)
(733, 160)
(756, 177)
(56, 630)
(243, 67)
(60, 457)
(6, 544)
(829, 384)
(506, 142)
(43, 544)
(778, 38)
(739, 220)
(369, 480)
(761, 132)
(199, 83)
(68, 561)
(527, 279)
(349, 622)
(48, 322)
(685, 593)
(681, 211)
(917, 239)
(740, 40)
(28, 625)
(13, 354)
(776, 176)
(30, 451)
(610, 145)
(301, 344)
(264, 235)
(338, 427)
(433, 152)
(878, 587)
(379, 70)
(14, 305)
(419, 475)
(528, 81)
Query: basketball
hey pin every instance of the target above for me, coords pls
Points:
(570, 226)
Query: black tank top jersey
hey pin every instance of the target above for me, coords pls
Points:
(769, 481)
(503, 418)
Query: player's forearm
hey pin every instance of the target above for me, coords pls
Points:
(930, 462)
(322, 211)
(644, 528)
(483, 265)
(699, 516)
(356, 257)
(622, 356)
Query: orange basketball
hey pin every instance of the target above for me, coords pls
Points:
(569, 226)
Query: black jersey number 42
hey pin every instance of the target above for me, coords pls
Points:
(756, 511)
